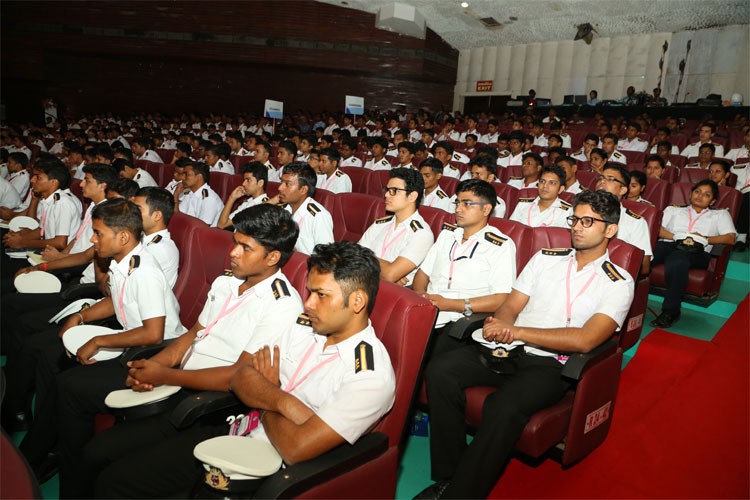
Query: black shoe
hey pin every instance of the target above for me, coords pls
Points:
(48, 468)
(666, 319)
(433, 492)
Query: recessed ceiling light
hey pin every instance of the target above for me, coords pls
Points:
(465, 5)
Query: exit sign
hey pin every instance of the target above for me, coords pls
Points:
(484, 85)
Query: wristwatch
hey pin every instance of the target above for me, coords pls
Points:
(467, 308)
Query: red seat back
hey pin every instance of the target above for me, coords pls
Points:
(677, 160)
(360, 178)
(272, 189)
(239, 161)
(448, 184)
(353, 213)
(509, 195)
(295, 271)
(692, 175)
(521, 235)
(588, 180)
(163, 173)
(224, 184)
(633, 156)
(17, 480)
(511, 172)
(166, 154)
(658, 193)
(378, 180)
(435, 217)
(327, 199)
(651, 214)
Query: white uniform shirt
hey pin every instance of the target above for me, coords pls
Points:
(8, 195)
(743, 177)
(339, 182)
(618, 157)
(708, 222)
(144, 179)
(574, 188)
(274, 174)
(438, 199)
(565, 140)
(204, 204)
(78, 172)
(579, 155)
(461, 158)
(450, 136)
(84, 233)
(382, 164)
(451, 171)
(634, 145)
(351, 392)
(151, 156)
(164, 250)
(541, 141)
(57, 148)
(499, 211)
(462, 137)
(543, 280)
(352, 161)
(633, 229)
(250, 202)
(20, 181)
(692, 150)
(737, 154)
(484, 265)
(315, 225)
(4, 170)
(415, 135)
(518, 183)
(411, 239)
(223, 166)
(527, 212)
(59, 214)
(675, 150)
(140, 291)
(250, 321)
(511, 160)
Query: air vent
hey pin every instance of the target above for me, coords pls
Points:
(490, 22)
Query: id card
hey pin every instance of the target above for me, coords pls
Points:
(245, 424)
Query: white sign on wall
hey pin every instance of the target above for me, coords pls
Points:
(354, 105)
(274, 109)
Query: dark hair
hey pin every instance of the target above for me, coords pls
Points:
(120, 164)
(120, 215)
(257, 170)
(429, 132)
(332, 154)
(566, 159)
(639, 176)
(271, 226)
(432, 163)
(557, 170)
(707, 182)
(486, 162)
(105, 151)
(471, 135)
(74, 149)
(101, 173)
(380, 141)
(488, 151)
(517, 135)
(185, 148)
(555, 125)
(481, 189)
(556, 137)
(711, 125)
(656, 158)
(664, 144)
(124, 187)
(708, 145)
(537, 158)
(413, 180)
(143, 141)
(351, 143)
(409, 146)
(622, 169)
(447, 146)
(201, 168)
(158, 199)
(600, 152)
(305, 174)
(591, 137)
(354, 267)
(55, 171)
(20, 158)
(183, 162)
(611, 136)
(603, 203)
(635, 125)
(725, 165)
(233, 134)
(289, 146)
(265, 145)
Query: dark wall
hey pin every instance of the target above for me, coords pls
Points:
(213, 56)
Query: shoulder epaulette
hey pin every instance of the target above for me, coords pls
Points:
(135, 261)
(227, 272)
(269, 167)
(565, 205)
(617, 154)
(503, 154)
(645, 201)
(449, 226)
(456, 156)
(313, 209)
(383, 220)
(415, 225)
(440, 194)
(513, 178)
(265, 199)
(363, 357)
(633, 214)
(56, 197)
(204, 193)
(556, 251)
(156, 239)
(339, 173)
(495, 239)
(525, 200)
(740, 167)
(611, 271)
(279, 288)
(677, 205)
(304, 320)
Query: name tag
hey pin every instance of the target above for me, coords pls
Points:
(244, 424)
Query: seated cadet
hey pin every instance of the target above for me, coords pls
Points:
(234, 139)
(515, 150)
(428, 138)
(401, 240)
(609, 146)
(8, 195)
(75, 161)
(705, 136)
(178, 175)
(706, 154)
(632, 142)
(443, 152)
(285, 156)
(142, 303)
(217, 158)
(405, 154)
(740, 153)
(590, 142)
(296, 192)
(255, 178)
(330, 177)
(547, 209)
(637, 186)
(141, 148)
(571, 168)
(201, 201)
(598, 160)
(336, 403)
(378, 147)
(532, 167)
(348, 148)
(471, 266)
(537, 131)
(432, 171)
(18, 176)
(262, 153)
(157, 207)
(128, 170)
(492, 132)
(448, 133)
(679, 251)
(662, 135)
(483, 168)
(248, 308)
(533, 328)
(654, 167)
(557, 128)
(632, 228)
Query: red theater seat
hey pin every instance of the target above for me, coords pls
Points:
(657, 192)
(353, 213)
(435, 217)
(508, 194)
(587, 179)
(521, 235)
(166, 154)
(327, 199)
(239, 161)
(448, 184)
(692, 175)
(360, 178)
(163, 173)
(633, 156)
(510, 172)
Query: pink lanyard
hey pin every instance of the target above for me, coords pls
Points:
(453, 257)
(293, 382)
(121, 300)
(432, 201)
(85, 223)
(528, 218)
(43, 223)
(568, 302)
(330, 181)
(692, 222)
(388, 244)
(225, 312)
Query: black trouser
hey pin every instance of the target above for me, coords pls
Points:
(146, 458)
(743, 221)
(473, 470)
(677, 264)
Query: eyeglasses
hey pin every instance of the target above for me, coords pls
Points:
(468, 203)
(393, 191)
(609, 178)
(585, 221)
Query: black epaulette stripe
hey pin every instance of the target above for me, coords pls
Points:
(313, 209)
(611, 272)
(525, 200)
(556, 251)
(495, 239)
(304, 320)
(440, 194)
(227, 272)
(135, 261)
(156, 239)
(279, 288)
(565, 204)
(56, 197)
(415, 225)
(383, 220)
(363, 358)
(449, 227)
(204, 194)
(633, 214)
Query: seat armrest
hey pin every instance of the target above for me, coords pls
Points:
(81, 291)
(289, 482)
(717, 250)
(462, 328)
(578, 363)
(198, 405)
(143, 352)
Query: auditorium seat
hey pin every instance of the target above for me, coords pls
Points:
(327, 199)
(17, 480)
(353, 213)
(510, 172)
(671, 174)
(587, 179)
(657, 192)
(633, 156)
(677, 160)
(239, 161)
(729, 198)
(435, 217)
(166, 154)
(521, 235)
(528, 193)
(360, 178)
(224, 184)
(163, 173)
(508, 194)
(692, 175)
(448, 184)
(272, 189)
(378, 181)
